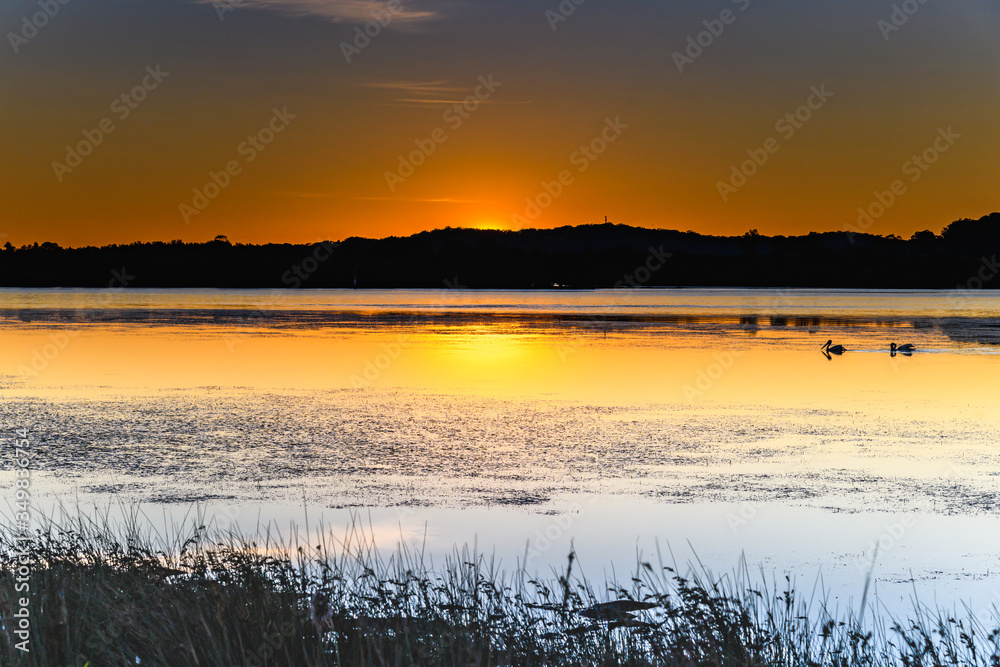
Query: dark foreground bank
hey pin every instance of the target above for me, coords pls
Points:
(113, 595)
(588, 256)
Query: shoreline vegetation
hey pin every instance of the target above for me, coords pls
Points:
(116, 592)
(606, 255)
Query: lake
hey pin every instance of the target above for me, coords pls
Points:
(703, 423)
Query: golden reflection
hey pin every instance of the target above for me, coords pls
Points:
(685, 369)
(480, 345)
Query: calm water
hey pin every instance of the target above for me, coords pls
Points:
(706, 420)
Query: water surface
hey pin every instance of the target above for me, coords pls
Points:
(610, 419)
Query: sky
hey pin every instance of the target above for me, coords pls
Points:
(303, 120)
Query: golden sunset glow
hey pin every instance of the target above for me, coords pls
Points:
(272, 125)
(489, 224)
(649, 332)
(506, 362)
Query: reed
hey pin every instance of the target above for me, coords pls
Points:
(107, 592)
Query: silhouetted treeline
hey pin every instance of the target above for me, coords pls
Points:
(588, 256)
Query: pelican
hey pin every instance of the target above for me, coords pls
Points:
(835, 349)
(908, 347)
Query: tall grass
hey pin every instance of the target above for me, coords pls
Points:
(109, 592)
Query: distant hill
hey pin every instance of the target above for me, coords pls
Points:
(586, 256)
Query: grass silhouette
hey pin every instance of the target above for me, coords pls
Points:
(115, 592)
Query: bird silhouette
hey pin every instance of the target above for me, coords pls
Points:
(906, 349)
(835, 349)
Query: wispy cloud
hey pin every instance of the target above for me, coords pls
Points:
(413, 100)
(427, 200)
(354, 11)
(416, 92)
(423, 93)
(340, 195)
(303, 195)
(414, 87)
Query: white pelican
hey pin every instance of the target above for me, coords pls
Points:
(906, 350)
(836, 349)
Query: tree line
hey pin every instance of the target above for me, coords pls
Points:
(963, 255)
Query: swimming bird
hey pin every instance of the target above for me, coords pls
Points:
(908, 347)
(835, 349)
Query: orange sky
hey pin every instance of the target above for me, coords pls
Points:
(669, 136)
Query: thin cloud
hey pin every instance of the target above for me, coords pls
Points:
(409, 100)
(427, 200)
(416, 92)
(302, 195)
(414, 87)
(353, 11)
(340, 195)
(423, 93)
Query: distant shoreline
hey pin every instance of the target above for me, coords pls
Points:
(587, 257)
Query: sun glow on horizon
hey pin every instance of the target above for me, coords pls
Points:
(489, 225)
(534, 143)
